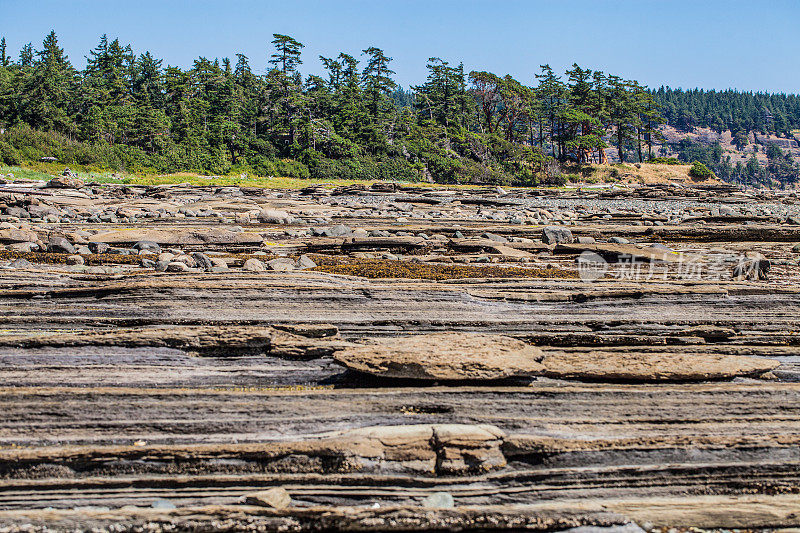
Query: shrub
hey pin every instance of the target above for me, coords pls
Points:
(700, 172)
(665, 161)
(8, 154)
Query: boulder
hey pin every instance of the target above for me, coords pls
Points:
(177, 266)
(444, 356)
(441, 449)
(439, 500)
(219, 265)
(60, 245)
(186, 260)
(274, 216)
(494, 237)
(17, 235)
(304, 262)
(17, 212)
(276, 498)
(202, 261)
(339, 230)
(149, 246)
(282, 264)
(254, 265)
(98, 247)
(64, 182)
(557, 235)
(26, 247)
(644, 366)
(42, 211)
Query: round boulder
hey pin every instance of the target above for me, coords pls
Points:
(444, 356)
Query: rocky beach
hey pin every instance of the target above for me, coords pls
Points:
(392, 356)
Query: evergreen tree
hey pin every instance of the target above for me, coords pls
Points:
(47, 94)
(26, 56)
(4, 59)
(377, 81)
(287, 53)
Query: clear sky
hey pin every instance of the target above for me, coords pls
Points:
(701, 43)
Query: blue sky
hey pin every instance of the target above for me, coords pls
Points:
(711, 44)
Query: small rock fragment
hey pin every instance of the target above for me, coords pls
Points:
(439, 500)
(276, 497)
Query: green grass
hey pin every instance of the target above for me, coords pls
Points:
(46, 171)
(24, 173)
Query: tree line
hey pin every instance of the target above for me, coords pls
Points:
(739, 112)
(129, 111)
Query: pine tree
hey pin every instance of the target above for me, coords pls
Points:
(26, 56)
(377, 81)
(4, 59)
(48, 90)
(287, 53)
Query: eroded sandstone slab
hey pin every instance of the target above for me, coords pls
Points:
(444, 356)
(639, 366)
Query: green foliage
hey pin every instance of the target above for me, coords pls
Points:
(666, 161)
(700, 171)
(125, 111)
(9, 155)
(739, 112)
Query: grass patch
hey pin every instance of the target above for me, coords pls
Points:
(45, 171)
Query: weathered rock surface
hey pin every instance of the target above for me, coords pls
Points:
(138, 399)
(216, 340)
(444, 356)
(178, 238)
(629, 365)
(620, 252)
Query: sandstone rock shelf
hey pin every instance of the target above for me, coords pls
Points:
(389, 344)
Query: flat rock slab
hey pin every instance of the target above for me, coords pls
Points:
(620, 252)
(177, 237)
(444, 356)
(650, 367)
(204, 340)
(318, 518)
